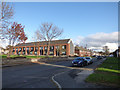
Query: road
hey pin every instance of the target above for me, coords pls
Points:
(40, 75)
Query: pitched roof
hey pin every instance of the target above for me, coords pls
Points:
(81, 48)
(63, 41)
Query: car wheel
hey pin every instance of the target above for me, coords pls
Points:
(82, 65)
(86, 63)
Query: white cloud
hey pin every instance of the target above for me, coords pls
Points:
(112, 46)
(78, 40)
(93, 41)
(98, 40)
(3, 43)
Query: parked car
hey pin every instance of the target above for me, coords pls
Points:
(89, 60)
(99, 57)
(79, 61)
(111, 55)
(104, 56)
(94, 56)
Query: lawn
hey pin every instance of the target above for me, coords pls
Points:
(110, 65)
(37, 56)
(107, 73)
(3, 56)
(12, 56)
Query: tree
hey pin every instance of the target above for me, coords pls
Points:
(48, 32)
(7, 13)
(38, 38)
(106, 50)
(16, 34)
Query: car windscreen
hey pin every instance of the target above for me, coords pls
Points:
(87, 58)
(79, 59)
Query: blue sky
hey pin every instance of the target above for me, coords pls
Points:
(75, 18)
(78, 19)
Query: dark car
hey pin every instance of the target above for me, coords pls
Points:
(94, 56)
(99, 57)
(89, 60)
(79, 61)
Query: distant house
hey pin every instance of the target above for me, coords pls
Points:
(116, 53)
(97, 53)
(80, 51)
(3, 51)
(63, 47)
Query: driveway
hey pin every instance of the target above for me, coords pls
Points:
(46, 75)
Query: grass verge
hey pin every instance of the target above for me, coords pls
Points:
(13, 56)
(107, 73)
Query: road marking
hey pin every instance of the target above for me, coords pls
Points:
(64, 66)
(58, 85)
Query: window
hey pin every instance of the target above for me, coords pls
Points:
(35, 53)
(23, 48)
(13, 49)
(51, 53)
(64, 47)
(32, 48)
(20, 49)
(46, 48)
(23, 53)
(41, 48)
(36, 48)
(57, 47)
(27, 48)
(51, 48)
(19, 52)
(45, 51)
(31, 52)
(63, 53)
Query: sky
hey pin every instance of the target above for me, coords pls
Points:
(91, 23)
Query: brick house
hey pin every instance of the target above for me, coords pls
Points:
(57, 47)
(80, 51)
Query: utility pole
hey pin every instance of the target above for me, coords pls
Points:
(117, 52)
(86, 49)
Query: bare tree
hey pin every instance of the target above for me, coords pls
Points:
(7, 13)
(37, 37)
(48, 32)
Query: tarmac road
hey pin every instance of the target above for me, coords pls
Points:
(40, 75)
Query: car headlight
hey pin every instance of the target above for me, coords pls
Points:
(79, 62)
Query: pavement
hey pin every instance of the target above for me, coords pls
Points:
(40, 75)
